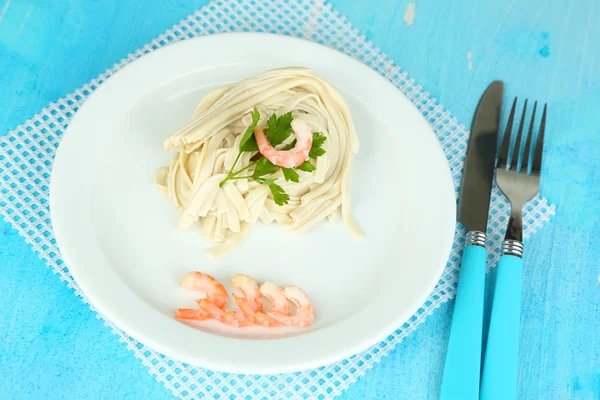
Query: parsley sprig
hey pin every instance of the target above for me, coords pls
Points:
(278, 131)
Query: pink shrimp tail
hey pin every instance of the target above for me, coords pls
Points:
(192, 314)
(304, 318)
(236, 319)
(245, 307)
(265, 320)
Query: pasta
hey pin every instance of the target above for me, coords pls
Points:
(207, 149)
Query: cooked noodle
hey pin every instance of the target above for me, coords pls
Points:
(206, 149)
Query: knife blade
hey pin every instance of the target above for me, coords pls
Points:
(462, 367)
(478, 173)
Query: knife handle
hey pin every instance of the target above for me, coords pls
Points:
(463, 358)
(499, 381)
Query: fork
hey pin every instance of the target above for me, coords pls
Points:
(519, 184)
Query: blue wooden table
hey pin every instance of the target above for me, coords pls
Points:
(52, 347)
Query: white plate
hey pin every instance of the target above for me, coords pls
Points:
(117, 233)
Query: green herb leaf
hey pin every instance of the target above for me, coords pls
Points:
(290, 146)
(249, 134)
(280, 197)
(250, 145)
(318, 139)
(279, 128)
(316, 152)
(306, 166)
(272, 123)
(265, 181)
(264, 167)
(290, 175)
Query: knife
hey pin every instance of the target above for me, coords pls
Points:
(463, 358)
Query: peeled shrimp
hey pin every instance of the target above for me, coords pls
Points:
(287, 158)
(251, 304)
(190, 313)
(306, 312)
(265, 320)
(215, 292)
(236, 319)
(278, 301)
(245, 307)
(250, 289)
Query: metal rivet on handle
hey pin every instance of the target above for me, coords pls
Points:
(475, 238)
(512, 248)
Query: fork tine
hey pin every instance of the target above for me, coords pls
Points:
(539, 147)
(504, 149)
(517, 148)
(525, 162)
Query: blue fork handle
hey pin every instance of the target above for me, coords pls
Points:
(499, 381)
(463, 359)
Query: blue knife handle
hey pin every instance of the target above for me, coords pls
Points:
(499, 381)
(463, 359)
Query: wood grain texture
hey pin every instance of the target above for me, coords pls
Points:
(52, 347)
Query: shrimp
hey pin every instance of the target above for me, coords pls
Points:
(251, 304)
(245, 307)
(215, 292)
(287, 158)
(211, 309)
(255, 317)
(278, 301)
(193, 314)
(236, 319)
(306, 312)
(250, 289)
(265, 320)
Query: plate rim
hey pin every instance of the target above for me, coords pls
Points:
(223, 365)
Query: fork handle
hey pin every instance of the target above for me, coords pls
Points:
(499, 381)
(463, 358)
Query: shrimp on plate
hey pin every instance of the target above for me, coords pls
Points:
(215, 292)
(193, 314)
(306, 313)
(251, 304)
(287, 158)
(274, 293)
(251, 312)
(250, 289)
(236, 319)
